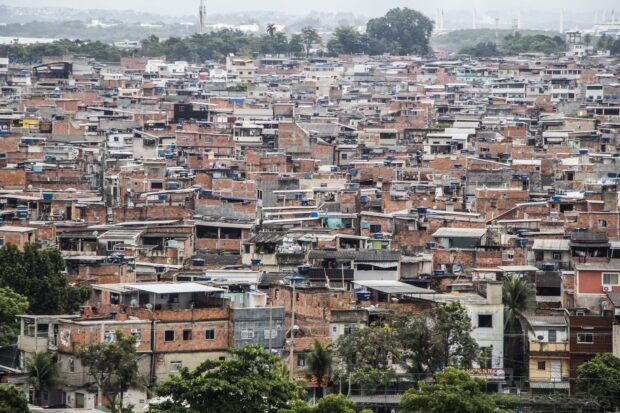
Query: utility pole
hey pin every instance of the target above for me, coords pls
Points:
(292, 342)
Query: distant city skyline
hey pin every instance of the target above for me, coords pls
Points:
(363, 7)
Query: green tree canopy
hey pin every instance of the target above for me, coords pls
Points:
(113, 366)
(43, 374)
(515, 44)
(334, 403)
(12, 400)
(252, 381)
(453, 391)
(600, 378)
(11, 305)
(402, 31)
(309, 36)
(484, 49)
(319, 362)
(38, 274)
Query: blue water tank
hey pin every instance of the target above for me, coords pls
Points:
(363, 295)
(198, 262)
(163, 197)
(173, 185)
(159, 268)
(48, 196)
(422, 210)
(303, 269)
(431, 245)
(548, 266)
(583, 151)
(364, 199)
(556, 198)
(521, 242)
(314, 214)
(255, 261)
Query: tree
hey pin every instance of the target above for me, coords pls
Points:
(319, 363)
(11, 305)
(113, 366)
(253, 381)
(38, 274)
(309, 36)
(600, 378)
(43, 374)
(402, 31)
(436, 339)
(296, 45)
(366, 355)
(518, 297)
(271, 29)
(334, 403)
(454, 391)
(346, 40)
(484, 49)
(12, 400)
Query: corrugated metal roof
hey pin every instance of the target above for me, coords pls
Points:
(171, 288)
(393, 287)
(459, 233)
(551, 244)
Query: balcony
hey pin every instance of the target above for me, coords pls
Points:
(541, 347)
(31, 344)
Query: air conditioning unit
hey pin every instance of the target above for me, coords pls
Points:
(607, 288)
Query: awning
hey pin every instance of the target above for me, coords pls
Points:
(379, 264)
(172, 288)
(392, 287)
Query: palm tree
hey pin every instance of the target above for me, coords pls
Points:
(319, 363)
(43, 374)
(271, 29)
(518, 297)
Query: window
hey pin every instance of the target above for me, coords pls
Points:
(541, 365)
(72, 365)
(553, 336)
(1, 241)
(247, 334)
(349, 328)
(222, 358)
(137, 334)
(374, 228)
(557, 256)
(270, 334)
(108, 337)
(334, 329)
(210, 334)
(169, 335)
(485, 320)
(187, 334)
(585, 338)
(276, 294)
(602, 223)
(610, 279)
(301, 360)
(174, 366)
(112, 244)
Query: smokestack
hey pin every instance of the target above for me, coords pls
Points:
(202, 14)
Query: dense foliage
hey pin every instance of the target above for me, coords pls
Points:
(599, 378)
(334, 403)
(453, 391)
(517, 43)
(252, 381)
(11, 305)
(38, 274)
(114, 366)
(456, 40)
(12, 400)
(484, 49)
(402, 31)
(421, 344)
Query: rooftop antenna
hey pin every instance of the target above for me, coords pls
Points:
(202, 14)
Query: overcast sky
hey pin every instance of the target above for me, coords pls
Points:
(364, 7)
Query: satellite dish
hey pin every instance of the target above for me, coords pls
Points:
(540, 338)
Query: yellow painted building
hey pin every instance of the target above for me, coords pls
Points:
(548, 354)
